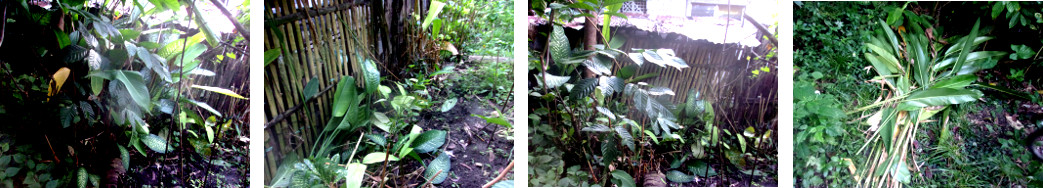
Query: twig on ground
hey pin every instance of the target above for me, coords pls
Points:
(503, 173)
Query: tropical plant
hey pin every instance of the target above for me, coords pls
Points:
(917, 82)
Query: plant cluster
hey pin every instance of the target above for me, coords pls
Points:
(581, 134)
(915, 67)
(117, 77)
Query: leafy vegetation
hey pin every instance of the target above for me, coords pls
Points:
(111, 94)
(580, 131)
(932, 109)
(446, 124)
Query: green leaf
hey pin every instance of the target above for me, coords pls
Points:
(371, 76)
(11, 171)
(429, 141)
(156, 143)
(678, 177)
(553, 81)
(377, 157)
(617, 41)
(596, 128)
(124, 156)
(63, 39)
(167, 4)
(219, 90)
(559, 45)
(901, 172)
(356, 173)
(625, 180)
(345, 95)
(495, 120)
(967, 47)
(627, 139)
(701, 169)
(997, 8)
(895, 16)
(627, 71)
(583, 88)
(311, 88)
(271, 55)
(381, 121)
(135, 86)
(377, 139)
(81, 178)
(938, 97)
(154, 63)
(956, 82)
(440, 166)
(449, 104)
(1021, 52)
(202, 105)
(504, 184)
(432, 13)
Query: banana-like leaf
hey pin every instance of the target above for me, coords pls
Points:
(219, 90)
(884, 56)
(432, 13)
(938, 97)
(135, 85)
(958, 46)
(967, 47)
(345, 96)
(956, 82)
(971, 57)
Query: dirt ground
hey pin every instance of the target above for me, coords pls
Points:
(478, 153)
(227, 169)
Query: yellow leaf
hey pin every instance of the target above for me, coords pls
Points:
(57, 82)
(449, 47)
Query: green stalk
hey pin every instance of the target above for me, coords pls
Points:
(877, 104)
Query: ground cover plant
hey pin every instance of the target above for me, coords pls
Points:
(123, 94)
(581, 134)
(915, 94)
(443, 119)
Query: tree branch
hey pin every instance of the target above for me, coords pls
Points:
(238, 27)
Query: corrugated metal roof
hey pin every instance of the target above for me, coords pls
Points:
(714, 29)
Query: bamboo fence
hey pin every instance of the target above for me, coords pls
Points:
(315, 39)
